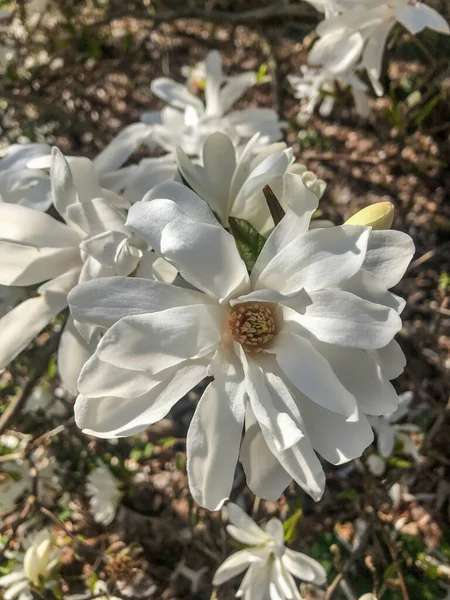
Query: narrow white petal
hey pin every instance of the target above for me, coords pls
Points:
(310, 373)
(188, 244)
(391, 359)
(274, 528)
(388, 255)
(213, 443)
(340, 318)
(317, 259)
(105, 301)
(118, 417)
(231, 567)
(245, 524)
(121, 147)
(73, 352)
(304, 567)
(418, 16)
(175, 94)
(213, 84)
(155, 341)
(332, 436)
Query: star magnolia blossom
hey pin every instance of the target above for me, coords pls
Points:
(271, 567)
(356, 38)
(187, 121)
(293, 347)
(311, 85)
(104, 492)
(35, 247)
(232, 184)
(37, 565)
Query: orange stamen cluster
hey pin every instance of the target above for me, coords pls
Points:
(252, 325)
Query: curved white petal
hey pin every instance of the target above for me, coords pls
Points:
(340, 318)
(156, 341)
(274, 528)
(121, 147)
(418, 16)
(213, 83)
(304, 567)
(332, 436)
(105, 301)
(109, 417)
(213, 443)
(388, 255)
(232, 566)
(175, 94)
(311, 373)
(249, 530)
(317, 259)
(73, 352)
(391, 359)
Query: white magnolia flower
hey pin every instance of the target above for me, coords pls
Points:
(288, 346)
(105, 494)
(231, 182)
(356, 38)
(35, 247)
(318, 86)
(368, 596)
(186, 121)
(35, 567)
(271, 567)
(388, 430)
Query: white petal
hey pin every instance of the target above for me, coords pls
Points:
(337, 52)
(388, 255)
(385, 437)
(73, 352)
(155, 341)
(363, 377)
(340, 318)
(231, 567)
(391, 359)
(213, 84)
(21, 264)
(374, 51)
(304, 567)
(253, 534)
(310, 372)
(221, 274)
(417, 17)
(234, 89)
(166, 203)
(63, 188)
(317, 259)
(20, 224)
(333, 437)
(219, 162)
(105, 301)
(96, 216)
(7, 580)
(117, 417)
(369, 287)
(298, 301)
(274, 528)
(121, 147)
(213, 443)
(17, 589)
(99, 378)
(265, 476)
(175, 94)
(272, 405)
(24, 322)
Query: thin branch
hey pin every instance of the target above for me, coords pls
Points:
(18, 403)
(428, 256)
(394, 555)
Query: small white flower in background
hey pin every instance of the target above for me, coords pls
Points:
(318, 86)
(43, 398)
(35, 569)
(368, 596)
(388, 431)
(287, 346)
(104, 492)
(356, 37)
(186, 121)
(271, 567)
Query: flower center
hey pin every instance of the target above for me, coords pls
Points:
(252, 324)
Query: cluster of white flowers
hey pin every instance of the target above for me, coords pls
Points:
(352, 40)
(229, 277)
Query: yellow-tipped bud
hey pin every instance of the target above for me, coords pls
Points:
(377, 216)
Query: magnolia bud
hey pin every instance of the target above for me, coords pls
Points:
(377, 216)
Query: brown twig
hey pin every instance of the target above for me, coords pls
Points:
(18, 403)
(394, 555)
(79, 542)
(428, 256)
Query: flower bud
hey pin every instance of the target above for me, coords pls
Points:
(377, 216)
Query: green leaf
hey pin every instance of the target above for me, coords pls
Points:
(290, 525)
(249, 242)
(400, 463)
(426, 110)
(262, 72)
